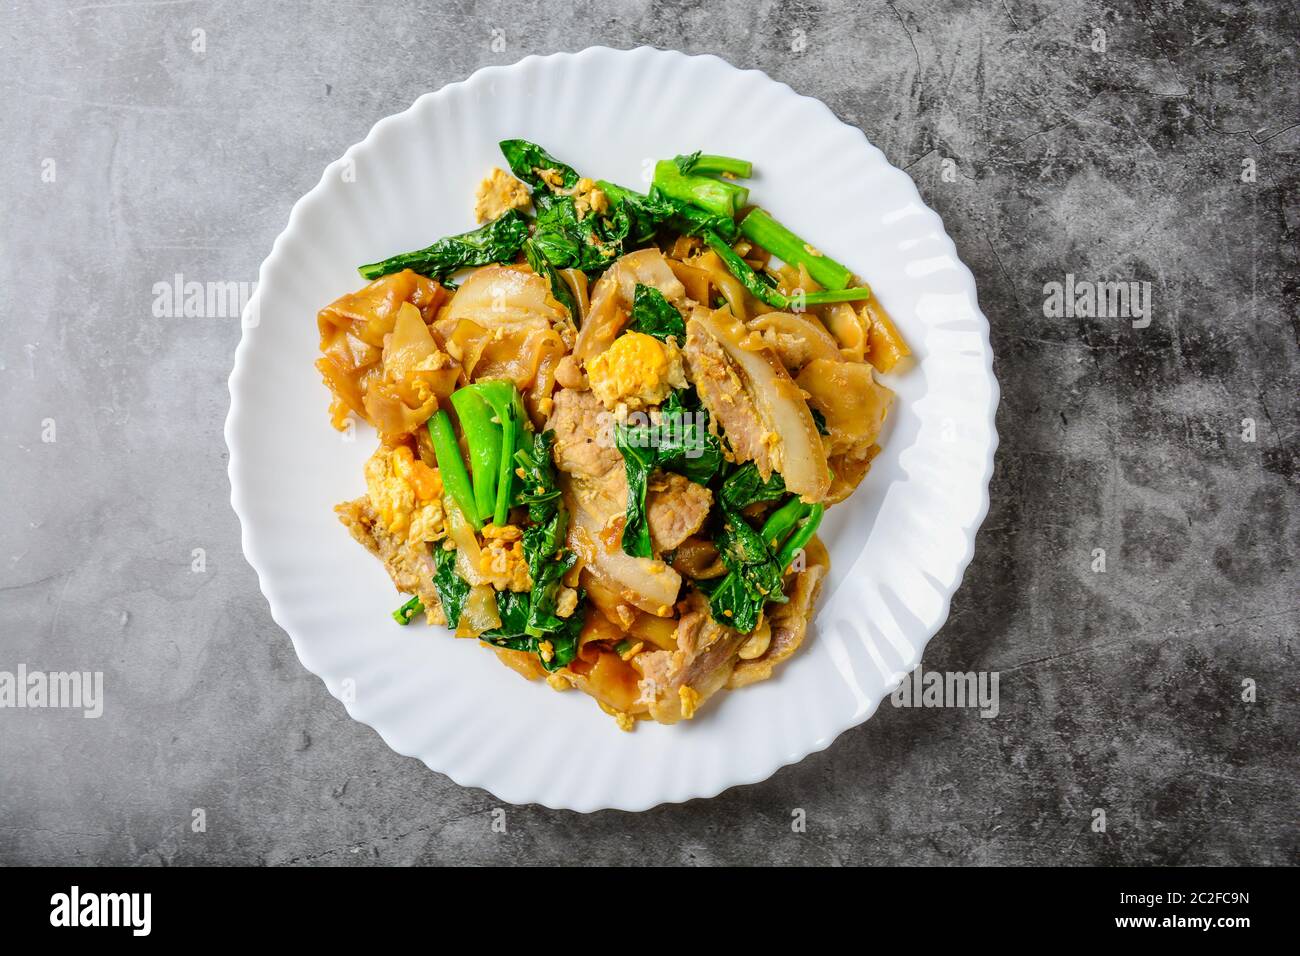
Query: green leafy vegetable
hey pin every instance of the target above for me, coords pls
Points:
(800, 537)
(495, 426)
(548, 565)
(529, 619)
(686, 164)
(564, 237)
(563, 642)
(539, 488)
(653, 314)
(543, 266)
(757, 561)
(638, 462)
(745, 486)
(819, 420)
(747, 276)
(408, 610)
(497, 241)
(512, 608)
(571, 241)
(680, 441)
(451, 587)
(754, 576)
(635, 218)
(527, 158)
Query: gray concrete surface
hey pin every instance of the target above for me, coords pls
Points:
(1120, 691)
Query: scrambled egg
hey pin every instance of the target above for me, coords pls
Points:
(503, 561)
(587, 196)
(499, 192)
(566, 603)
(406, 493)
(690, 699)
(636, 371)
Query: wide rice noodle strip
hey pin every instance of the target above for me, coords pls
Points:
(694, 279)
(469, 556)
(849, 331)
(480, 612)
(608, 678)
(735, 371)
(417, 375)
(370, 313)
(503, 323)
(660, 632)
(848, 470)
(604, 597)
(886, 346)
(796, 339)
(853, 403)
(720, 278)
(353, 329)
(597, 627)
(523, 663)
(576, 280)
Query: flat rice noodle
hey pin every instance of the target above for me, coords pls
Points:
(853, 403)
(850, 334)
(610, 680)
(796, 339)
(353, 331)
(720, 278)
(693, 279)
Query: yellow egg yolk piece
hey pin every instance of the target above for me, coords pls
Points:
(637, 371)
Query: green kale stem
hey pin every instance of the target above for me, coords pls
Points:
(760, 228)
(747, 276)
(836, 295)
(454, 476)
(772, 296)
(714, 195)
(483, 437)
(503, 398)
(711, 163)
(780, 521)
(799, 539)
(408, 610)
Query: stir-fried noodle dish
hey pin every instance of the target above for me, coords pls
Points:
(609, 424)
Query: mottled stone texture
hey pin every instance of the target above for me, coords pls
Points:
(1119, 690)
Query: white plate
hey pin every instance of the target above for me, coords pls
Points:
(899, 546)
